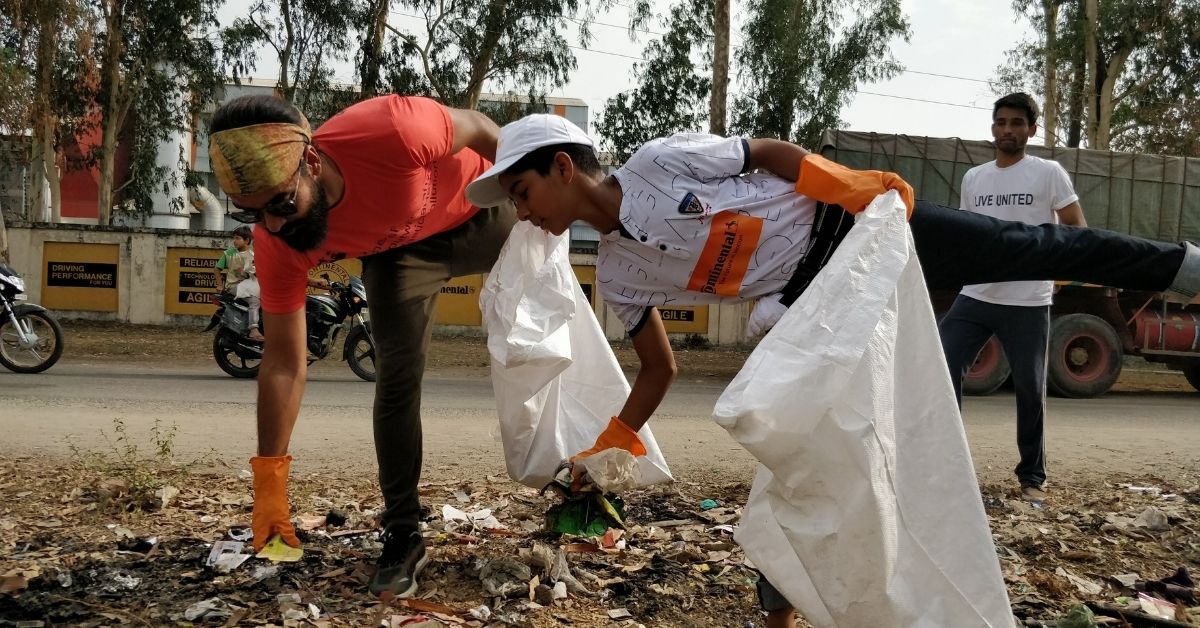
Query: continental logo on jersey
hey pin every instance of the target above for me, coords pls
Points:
(732, 239)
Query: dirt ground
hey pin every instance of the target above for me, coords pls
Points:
(114, 536)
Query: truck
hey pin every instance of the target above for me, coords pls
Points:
(1093, 327)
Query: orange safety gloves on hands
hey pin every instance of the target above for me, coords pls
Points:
(271, 512)
(618, 435)
(829, 182)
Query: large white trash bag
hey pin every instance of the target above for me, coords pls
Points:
(556, 379)
(865, 510)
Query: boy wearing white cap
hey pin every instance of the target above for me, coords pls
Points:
(695, 219)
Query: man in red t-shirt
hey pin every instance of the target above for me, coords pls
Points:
(381, 181)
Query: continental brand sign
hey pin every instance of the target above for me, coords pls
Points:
(458, 302)
(81, 277)
(339, 271)
(191, 280)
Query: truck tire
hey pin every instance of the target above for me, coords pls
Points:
(1085, 356)
(989, 372)
(1192, 373)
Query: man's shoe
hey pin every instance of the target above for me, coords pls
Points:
(1031, 493)
(402, 559)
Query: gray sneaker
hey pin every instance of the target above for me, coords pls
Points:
(1034, 494)
(402, 559)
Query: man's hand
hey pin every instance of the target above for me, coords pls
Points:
(271, 512)
(829, 182)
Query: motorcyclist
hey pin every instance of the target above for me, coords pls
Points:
(235, 275)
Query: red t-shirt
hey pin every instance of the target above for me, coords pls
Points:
(402, 184)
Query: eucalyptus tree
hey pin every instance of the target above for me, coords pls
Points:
(673, 88)
(1131, 66)
(157, 68)
(307, 38)
(803, 60)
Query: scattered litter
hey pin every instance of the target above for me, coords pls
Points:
(505, 577)
(336, 518)
(1178, 587)
(226, 556)
(166, 495)
(240, 533)
(211, 609)
(482, 613)
(1153, 519)
(1155, 607)
(591, 514)
(619, 613)
(613, 470)
(277, 551)
(709, 504)
(476, 519)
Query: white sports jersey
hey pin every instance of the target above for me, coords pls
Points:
(1030, 191)
(697, 230)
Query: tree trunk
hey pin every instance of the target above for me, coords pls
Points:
(1050, 109)
(1075, 106)
(1115, 68)
(720, 77)
(1091, 47)
(284, 85)
(3, 238)
(493, 23)
(111, 111)
(372, 47)
(41, 155)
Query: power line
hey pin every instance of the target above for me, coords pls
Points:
(933, 102)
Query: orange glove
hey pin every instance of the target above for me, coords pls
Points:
(829, 182)
(617, 434)
(271, 512)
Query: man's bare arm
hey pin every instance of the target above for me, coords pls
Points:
(476, 131)
(1072, 215)
(281, 379)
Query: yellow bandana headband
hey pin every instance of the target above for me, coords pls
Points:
(254, 158)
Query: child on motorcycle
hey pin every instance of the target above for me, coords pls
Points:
(235, 274)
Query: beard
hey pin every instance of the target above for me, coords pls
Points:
(307, 233)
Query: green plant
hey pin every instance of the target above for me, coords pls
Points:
(133, 477)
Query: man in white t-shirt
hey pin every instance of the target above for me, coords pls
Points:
(697, 218)
(1034, 191)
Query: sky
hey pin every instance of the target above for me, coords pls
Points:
(966, 39)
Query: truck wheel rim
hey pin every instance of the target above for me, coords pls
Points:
(1086, 357)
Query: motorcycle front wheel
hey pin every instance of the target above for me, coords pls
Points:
(33, 348)
(225, 353)
(360, 353)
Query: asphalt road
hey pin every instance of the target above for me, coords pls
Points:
(66, 408)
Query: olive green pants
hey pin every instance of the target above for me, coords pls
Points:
(402, 288)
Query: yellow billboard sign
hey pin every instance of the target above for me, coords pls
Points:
(190, 280)
(339, 271)
(78, 276)
(693, 320)
(458, 302)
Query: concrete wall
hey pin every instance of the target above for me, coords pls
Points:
(146, 278)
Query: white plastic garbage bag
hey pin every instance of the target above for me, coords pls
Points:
(865, 510)
(556, 380)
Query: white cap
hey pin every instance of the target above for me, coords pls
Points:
(518, 139)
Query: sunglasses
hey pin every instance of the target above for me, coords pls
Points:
(281, 209)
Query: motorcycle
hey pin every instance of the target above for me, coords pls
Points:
(31, 341)
(327, 316)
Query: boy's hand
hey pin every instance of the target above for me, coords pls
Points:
(617, 435)
(853, 190)
(271, 512)
(766, 313)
